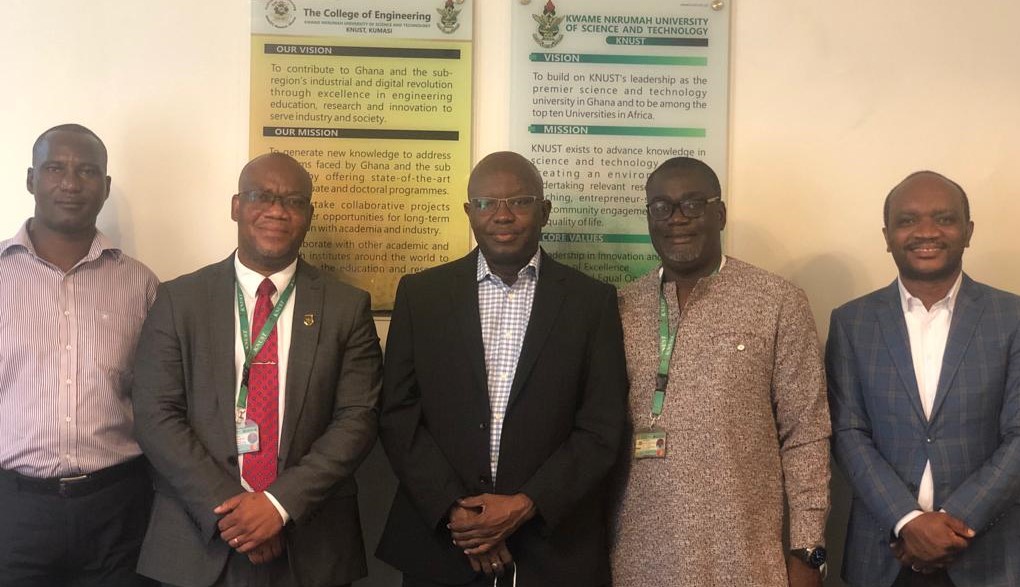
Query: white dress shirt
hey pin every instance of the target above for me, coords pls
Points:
(928, 330)
(249, 281)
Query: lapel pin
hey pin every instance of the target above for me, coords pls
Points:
(309, 319)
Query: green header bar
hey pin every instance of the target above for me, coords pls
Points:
(574, 237)
(630, 131)
(657, 41)
(631, 239)
(618, 59)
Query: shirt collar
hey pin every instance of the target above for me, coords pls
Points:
(250, 279)
(722, 263)
(908, 300)
(530, 269)
(100, 244)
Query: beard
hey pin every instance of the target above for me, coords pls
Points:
(686, 254)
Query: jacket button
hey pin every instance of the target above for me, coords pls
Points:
(483, 426)
(232, 459)
(483, 480)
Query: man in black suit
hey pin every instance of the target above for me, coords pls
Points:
(255, 437)
(504, 398)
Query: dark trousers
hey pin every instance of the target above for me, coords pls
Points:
(75, 539)
(410, 581)
(239, 572)
(909, 578)
(482, 581)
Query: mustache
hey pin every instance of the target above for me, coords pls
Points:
(925, 244)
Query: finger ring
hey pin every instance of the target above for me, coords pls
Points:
(915, 568)
(495, 564)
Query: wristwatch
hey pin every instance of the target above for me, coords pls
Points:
(812, 557)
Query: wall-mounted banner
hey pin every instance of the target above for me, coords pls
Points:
(374, 98)
(605, 91)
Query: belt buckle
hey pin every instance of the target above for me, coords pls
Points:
(67, 482)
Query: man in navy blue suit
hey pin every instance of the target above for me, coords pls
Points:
(924, 389)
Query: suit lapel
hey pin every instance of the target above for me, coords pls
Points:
(966, 315)
(304, 337)
(222, 304)
(894, 331)
(464, 294)
(549, 294)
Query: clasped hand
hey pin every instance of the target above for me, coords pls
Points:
(931, 541)
(480, 523)
(251, 525)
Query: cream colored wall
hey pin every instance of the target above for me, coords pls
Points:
(164, 83)
(832, 103)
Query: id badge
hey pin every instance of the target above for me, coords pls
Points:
(650, 443)
(247, 437)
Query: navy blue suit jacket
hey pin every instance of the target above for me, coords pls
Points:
(882, 440)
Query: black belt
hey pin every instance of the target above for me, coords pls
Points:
(80, 485)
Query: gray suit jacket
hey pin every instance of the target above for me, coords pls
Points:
(184, 419)
(882, 440)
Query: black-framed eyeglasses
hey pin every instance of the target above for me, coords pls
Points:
(292, 202)
(516, 204)
(693, 208)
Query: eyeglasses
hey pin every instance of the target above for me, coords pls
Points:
(693, 208)
(291, 202)
(517, 205)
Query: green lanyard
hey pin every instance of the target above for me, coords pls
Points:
(667, 342)
(249, 350)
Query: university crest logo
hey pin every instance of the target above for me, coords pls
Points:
(448, 17)
(281, 13)
(548, 34)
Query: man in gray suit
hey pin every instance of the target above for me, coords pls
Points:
(924, 389)
(256, 382)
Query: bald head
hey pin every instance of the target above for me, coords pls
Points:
(279, 163)
(273, 212)
(507, 211)
(39, 147)
(507, 162)
(919, 177)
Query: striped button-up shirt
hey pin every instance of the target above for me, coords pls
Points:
(67, 341)
(505, 311)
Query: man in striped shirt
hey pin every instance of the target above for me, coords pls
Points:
(504, 397)
(74, 492)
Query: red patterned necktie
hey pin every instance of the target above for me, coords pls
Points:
(263, 396)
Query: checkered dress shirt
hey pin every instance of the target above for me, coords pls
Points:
(505, 311)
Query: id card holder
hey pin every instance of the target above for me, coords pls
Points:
(650, 443)
(247, 437)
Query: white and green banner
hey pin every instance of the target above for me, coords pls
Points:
(603, 92)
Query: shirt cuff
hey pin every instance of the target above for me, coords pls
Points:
(899, 525)
(279, 508)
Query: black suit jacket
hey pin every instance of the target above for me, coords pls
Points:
(184, 419)
(561, 431)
